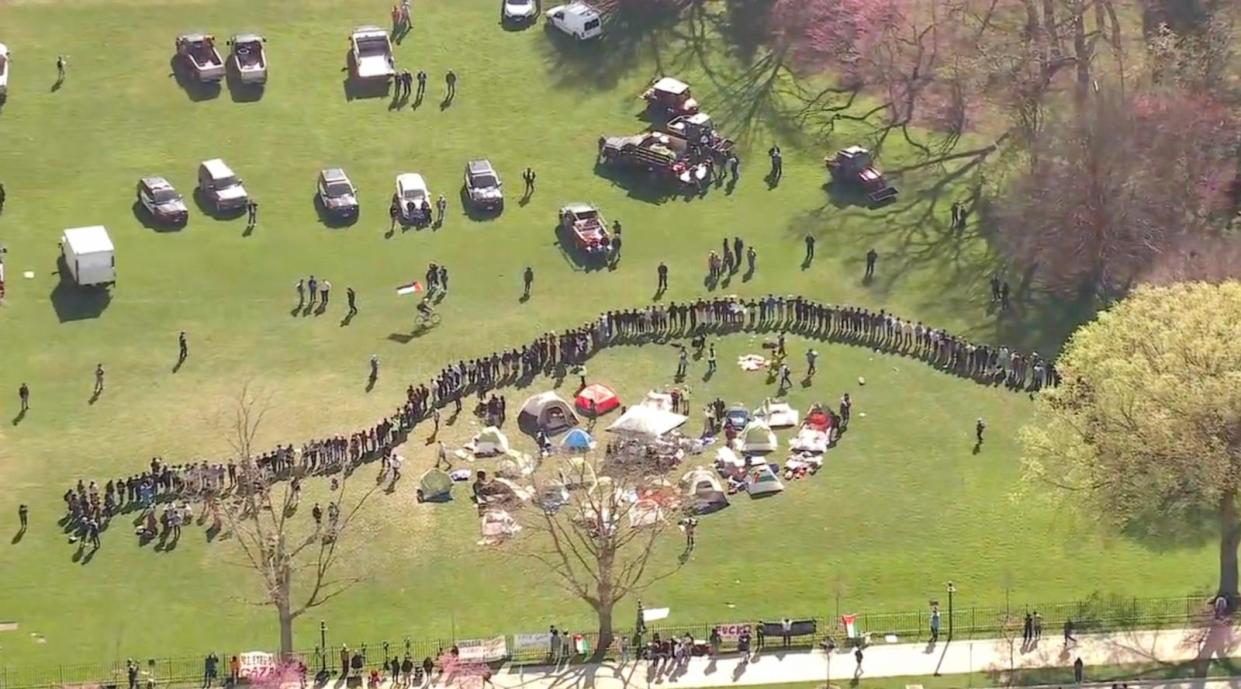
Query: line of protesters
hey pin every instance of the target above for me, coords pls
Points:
(89, 507)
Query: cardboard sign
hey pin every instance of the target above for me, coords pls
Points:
(255, 663)
(732, 631)
(532, 642)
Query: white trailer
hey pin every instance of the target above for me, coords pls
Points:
(89, 255)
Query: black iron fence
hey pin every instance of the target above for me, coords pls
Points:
(1091, 615)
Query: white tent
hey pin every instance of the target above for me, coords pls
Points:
(757, 437)
(702, 491)
(435, 486)
(489, 442)
(548, 412)
(576, 472)
(763, 481)
(515, 465)
(777, 414)
(647, 422)
(728, 462)
(809, 440)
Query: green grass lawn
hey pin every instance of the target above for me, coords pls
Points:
(901, 507)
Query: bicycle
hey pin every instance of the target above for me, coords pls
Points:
(427, 318)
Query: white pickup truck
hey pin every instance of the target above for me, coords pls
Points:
(371, 54)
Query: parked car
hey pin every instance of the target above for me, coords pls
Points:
(576, 19)
(520, 11)
(483, 185)
(371, 54)
(249, 58)
(220, 188)
(670, 97)
(585, 224)
(197, 54)
(413, 197)
(161, 200)
(337, 194)
(4, 71)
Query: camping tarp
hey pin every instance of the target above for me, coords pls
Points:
(498, 525)
(809, 440)
(515, 465)
(596, 398)
(647, 422)
(577, 440)
(435, 486)
(548, 412)
(489, 442)
(645, 513)
(576, 472)
(757, 437)
(658, 400)
(778, 414)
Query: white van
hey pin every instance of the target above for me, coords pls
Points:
(577, 19)
(89, 255)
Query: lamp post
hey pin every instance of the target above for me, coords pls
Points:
(323, 646)
(951, 590)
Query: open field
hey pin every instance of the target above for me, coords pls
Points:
(901, 507)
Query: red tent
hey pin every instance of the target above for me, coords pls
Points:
(817, 419)
(604, 399)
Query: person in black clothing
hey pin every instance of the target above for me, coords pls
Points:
(252, 213)
(183, 345)
(995, 288)
(1079, 670)
(394, 213)
(3, 196)
(352, 298)
(131, 671)
(1004, 296)
(777, 164)
(738, 245)
(1027, 628)
(662, 272)
(422, 84)
(616, 247)
(871, 257)
(450, 79)
(210, 667)
(809, 248)
(529, 177)
(407, 83)
(23, 515)
(527, 279)
(979, 427)
(23, 393)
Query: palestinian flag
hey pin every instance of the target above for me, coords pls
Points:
(850, 622)
(411, 288)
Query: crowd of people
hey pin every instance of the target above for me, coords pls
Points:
(89, 507)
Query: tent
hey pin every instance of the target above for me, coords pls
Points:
(502, 490)
(435, 486)
(703, 492)
(818, 419)
(515, 465)
(809, 440)
(762, 481)
(736, 416)
(757, 437)
(728, 462)
(777, 414)
(498, 525)
(576, 472)
(647, 422)
(645, 513)
(577, 440)
(604, 399)
(547, 412)
(489, 442)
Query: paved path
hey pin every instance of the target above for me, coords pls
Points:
(893, 660)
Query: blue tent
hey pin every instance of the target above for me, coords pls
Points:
(578, 440)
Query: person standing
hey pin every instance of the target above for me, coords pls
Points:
(23, 516)
(1068, 631)
(374, 367)
(528, 176)
(450, 79)
(1004, 296)
(871, 257)
(441, 207)
(691, 527)
(312, 289)
(394, 213)
(183, 346)
(131, 673)
(616, 247)
(23, 394)
(979, 427)
(846, 410)
(777, 163)
(1027, 627)
(812, 358)
(711, 358)
(1079, 670)
(857, 655)
(734, 166)
(444, 279)
(934, 623)
(995, 287)
(62, 66)
(98, 379)
(324, 292)
(252, 213)
(1038, 626)
(300, 286)
(662, 272)
(682, 362)
(786, 380)
(751, 258)
(352, 298)
(527, 281)
(3, 195)
(407, 82)
(809, 249)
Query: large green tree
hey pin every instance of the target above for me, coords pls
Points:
(1145, 429)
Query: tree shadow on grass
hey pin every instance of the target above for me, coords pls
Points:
(600, 65)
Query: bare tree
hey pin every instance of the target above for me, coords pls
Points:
(598, 531)
(298, 561)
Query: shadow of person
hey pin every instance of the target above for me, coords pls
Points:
(806, 262)
(344, 322)
(177, 366)
(867, 279)
(20, 415)
(446, 102)
(322, 309)
(17, 537)
(60, 81)
(977, 447)
(370, 382)
(94, 397)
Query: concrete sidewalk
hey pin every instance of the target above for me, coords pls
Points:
(771, 666)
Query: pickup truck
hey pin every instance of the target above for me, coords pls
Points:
(371, 54)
